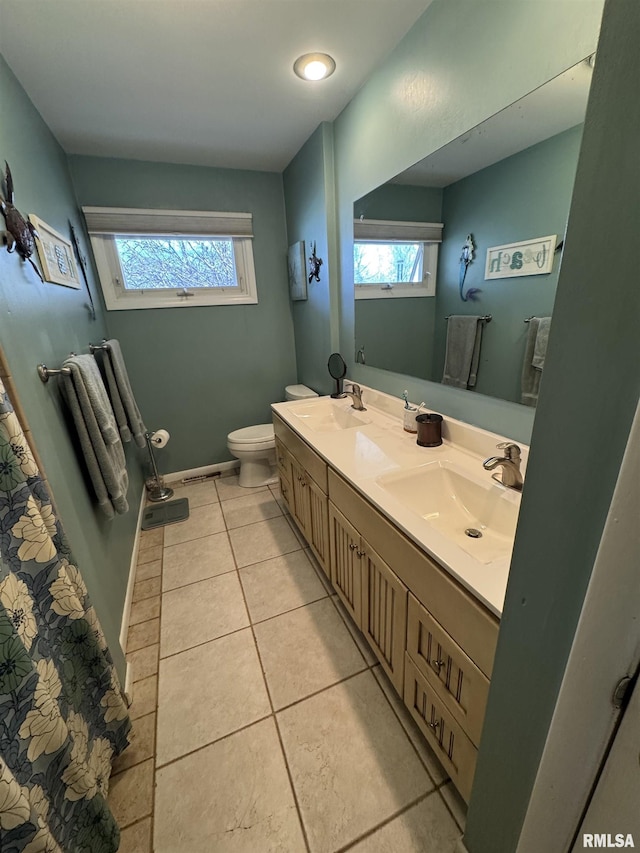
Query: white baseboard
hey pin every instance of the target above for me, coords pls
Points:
(128, 684)
(126, 610)
(203, 471)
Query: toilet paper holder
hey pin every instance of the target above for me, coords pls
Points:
(157, 491)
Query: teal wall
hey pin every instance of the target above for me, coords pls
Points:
(306, 196)
(202, 372)
(592, 378)
(398, 333)
(43, 323)
(526, 195)
(426, 94)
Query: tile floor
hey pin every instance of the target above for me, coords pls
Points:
(261, 720)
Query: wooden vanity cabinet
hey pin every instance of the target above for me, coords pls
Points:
(435, 641)
(303, 482)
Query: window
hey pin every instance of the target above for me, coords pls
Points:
(395, 259)
(168, 259)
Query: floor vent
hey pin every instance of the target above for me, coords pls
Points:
(200, 478)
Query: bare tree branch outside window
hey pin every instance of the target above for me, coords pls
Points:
(150, 263)
(389, 263)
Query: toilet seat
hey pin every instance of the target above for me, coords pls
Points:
(252, 435)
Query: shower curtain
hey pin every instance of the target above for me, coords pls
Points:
(62, 715)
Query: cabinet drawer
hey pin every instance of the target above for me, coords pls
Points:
(308, 458)
(286, 490)
(460, 685)
(467, 621)
(283, 458)
(444, 735)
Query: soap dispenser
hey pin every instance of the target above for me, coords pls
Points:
(409, 413)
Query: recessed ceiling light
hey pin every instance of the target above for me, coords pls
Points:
(314, 66)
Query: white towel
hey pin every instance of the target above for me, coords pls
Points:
(464, 337)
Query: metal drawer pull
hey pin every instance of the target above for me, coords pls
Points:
(434, 726)
(437, 665)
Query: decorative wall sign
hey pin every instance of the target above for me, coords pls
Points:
(56, 255)
(530, 257)
(297, 273)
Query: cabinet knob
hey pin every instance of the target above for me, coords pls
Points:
(352, 547)
(437, 665)
(361, 553)
(434, 725)
(303, 483)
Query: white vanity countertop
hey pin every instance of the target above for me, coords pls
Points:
(362, 454)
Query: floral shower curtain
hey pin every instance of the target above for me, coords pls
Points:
(62, 715)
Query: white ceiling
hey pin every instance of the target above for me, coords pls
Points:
(206, 82)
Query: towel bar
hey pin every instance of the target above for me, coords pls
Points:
(45, 372)
(486, 317)
(96, 347)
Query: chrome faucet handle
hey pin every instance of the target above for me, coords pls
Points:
(511, 450)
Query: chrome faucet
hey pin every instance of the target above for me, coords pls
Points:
(511, 474)
(356, 396)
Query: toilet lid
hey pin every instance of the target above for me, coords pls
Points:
(252, 434)
(299, 392)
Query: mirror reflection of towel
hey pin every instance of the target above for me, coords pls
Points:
(535, 352)
(464, 337)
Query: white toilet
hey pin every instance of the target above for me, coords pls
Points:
(255, 446)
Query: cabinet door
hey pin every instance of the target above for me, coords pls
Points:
(300, 508)
(287, 492)
(318, 532)
(283, 458)
(384, 614)
(345, 562)
(451, 745)
(459, 683)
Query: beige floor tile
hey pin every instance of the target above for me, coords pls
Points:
(202, 611)
(136, 838)
(149, 570)
(202, 521)
(355, 632)
(456, 804)
(144, 697)
(351, 764)
(424, 828)
(141, 611)
(143, 634)
(144, 662)
(428, 756)
(228, 488)
(304, 651)
(280, 584)
(148, 555)
(131, 793)
(198, 494)
(208, 692)
(141, 746)
(197, 560)
(146, 588)
(241, 803)
(148, 538)
(250, 509)
(257, 542)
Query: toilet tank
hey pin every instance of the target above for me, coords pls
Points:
(298, 392)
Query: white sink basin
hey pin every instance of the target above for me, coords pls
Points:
(329, 416)
(453, 501)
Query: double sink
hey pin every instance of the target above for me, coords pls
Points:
(467, 507)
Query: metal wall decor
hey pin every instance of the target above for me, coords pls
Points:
(20, 234)
(314, 265)
(468, 251)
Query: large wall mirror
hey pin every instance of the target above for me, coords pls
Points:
(507, 181)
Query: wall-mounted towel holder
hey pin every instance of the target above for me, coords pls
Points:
(486, 318)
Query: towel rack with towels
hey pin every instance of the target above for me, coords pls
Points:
(529, 319)
(487, 318)
(104, 346)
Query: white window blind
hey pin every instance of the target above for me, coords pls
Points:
(130, 220)
(387, 230)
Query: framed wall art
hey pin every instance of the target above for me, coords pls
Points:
(56, 255)
(296, 263)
